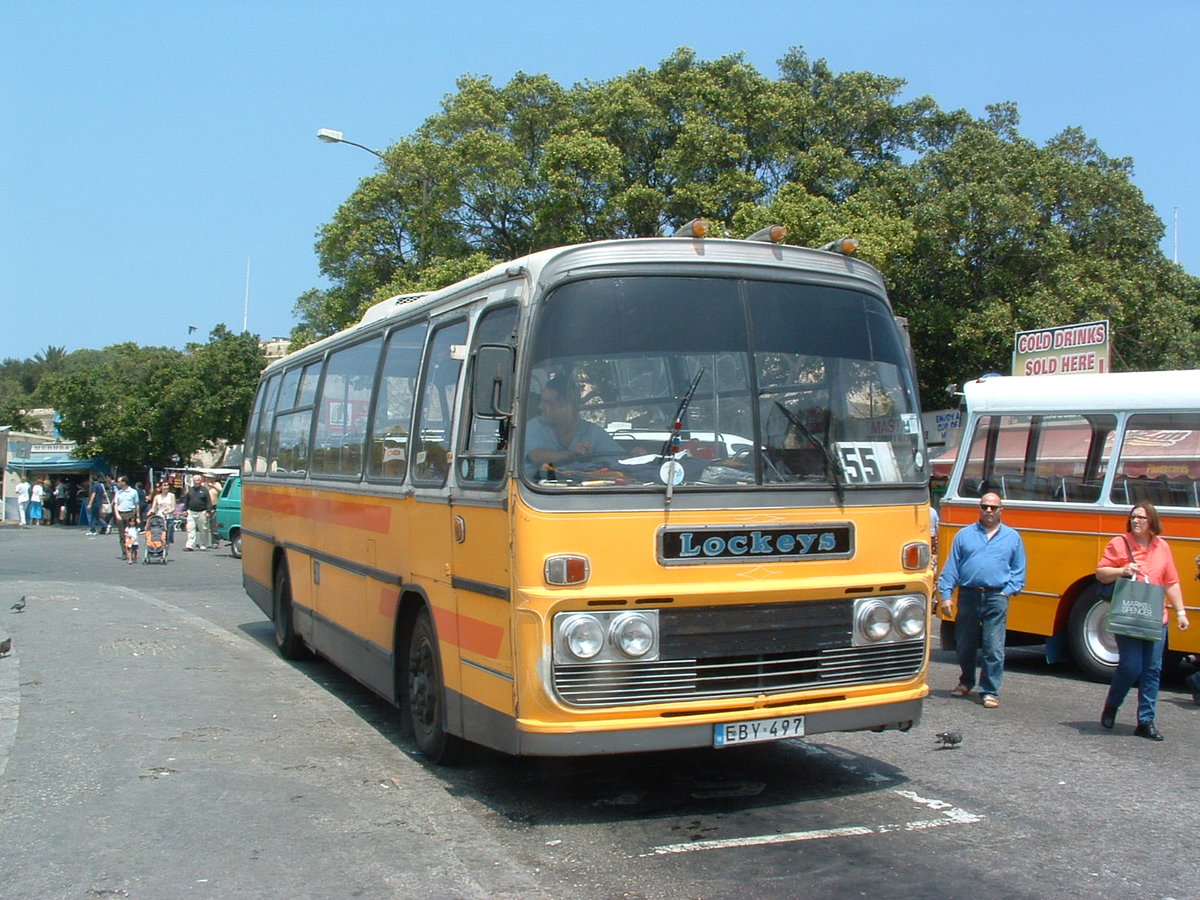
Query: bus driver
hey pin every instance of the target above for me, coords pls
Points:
(558, 433)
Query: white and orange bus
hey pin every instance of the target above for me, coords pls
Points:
(1069, 455)
(739, 552)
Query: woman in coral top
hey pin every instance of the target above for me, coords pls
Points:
(1140, 552)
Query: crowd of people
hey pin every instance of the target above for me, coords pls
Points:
(114, 506)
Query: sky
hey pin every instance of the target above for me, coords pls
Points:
(160, 167)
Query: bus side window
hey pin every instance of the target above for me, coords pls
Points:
(258, 436)
(439, 389)
(391, 416)
(343, 407)
(293, 422)
(484, 451)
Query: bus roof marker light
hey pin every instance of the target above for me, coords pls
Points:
(846, 246)
(697, 228)
(772, 234)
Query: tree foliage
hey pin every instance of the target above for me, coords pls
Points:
(980, 231)
(151, 406)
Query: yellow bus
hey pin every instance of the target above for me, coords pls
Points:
(1069, 455)
(727, 540)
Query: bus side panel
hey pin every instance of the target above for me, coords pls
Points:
(482, 582)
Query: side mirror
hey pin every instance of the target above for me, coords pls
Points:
(493, 393)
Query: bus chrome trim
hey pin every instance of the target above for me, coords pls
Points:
(481, 587)
(506, 676)
(713, 654)
(346, 565)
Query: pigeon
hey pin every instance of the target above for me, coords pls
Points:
(5, 646)
(948, 739)
(19, 606)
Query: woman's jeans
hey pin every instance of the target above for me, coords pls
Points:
(979, 627)
(1138, 662)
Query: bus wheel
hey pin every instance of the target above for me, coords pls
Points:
(290, 644)
(426, 694)
(1094, 649)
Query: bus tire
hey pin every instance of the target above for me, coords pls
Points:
(425, 694)
(289, 643)
(1094, 649)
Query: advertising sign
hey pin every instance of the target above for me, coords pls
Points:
(1063, 350)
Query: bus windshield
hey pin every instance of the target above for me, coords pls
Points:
(703, 382)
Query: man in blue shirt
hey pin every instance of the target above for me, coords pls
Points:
(987, 565)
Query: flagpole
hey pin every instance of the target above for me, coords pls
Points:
(246, 303)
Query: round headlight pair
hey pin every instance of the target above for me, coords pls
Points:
(585, 636)
(877, 618)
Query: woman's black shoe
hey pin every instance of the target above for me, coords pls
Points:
(1148, 731)
(1108, 718)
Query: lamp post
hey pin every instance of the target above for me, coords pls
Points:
(329, 136)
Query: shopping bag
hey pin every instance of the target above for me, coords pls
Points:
(1137, 609)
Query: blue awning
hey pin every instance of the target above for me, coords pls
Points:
(57, 462)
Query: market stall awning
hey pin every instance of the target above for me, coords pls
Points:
(58, 462)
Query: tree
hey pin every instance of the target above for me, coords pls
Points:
(147, 406)
(979, 231)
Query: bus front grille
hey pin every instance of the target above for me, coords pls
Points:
(673, 680)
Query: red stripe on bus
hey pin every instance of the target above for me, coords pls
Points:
(1069, 520)
(472, 635)
(376, 517)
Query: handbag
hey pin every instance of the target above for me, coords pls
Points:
(1137, 609)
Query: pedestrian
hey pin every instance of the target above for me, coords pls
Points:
(197, 503)
(1141, 552)
(62, 502)
(125, 512)
(23, 495)
(37, 494)
(163, 505)
(214, 494)
(986, 563)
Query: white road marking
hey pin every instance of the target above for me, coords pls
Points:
(949, 814)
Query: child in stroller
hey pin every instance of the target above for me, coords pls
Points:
(156, 539)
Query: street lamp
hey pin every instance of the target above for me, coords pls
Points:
(329, 136)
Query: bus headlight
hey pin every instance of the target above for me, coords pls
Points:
(633, 635)
(888, 619)
(873, 620)
(582, 637)
(909, 617)
(605, 637)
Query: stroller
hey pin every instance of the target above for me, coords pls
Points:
(155, 535)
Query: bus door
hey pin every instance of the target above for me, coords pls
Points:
(431, 522)
(482, 537)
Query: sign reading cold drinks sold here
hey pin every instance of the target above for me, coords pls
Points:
(1064, 350)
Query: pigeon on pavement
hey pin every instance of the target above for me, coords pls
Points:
(949, 739)
(19, 606)
(5, 646)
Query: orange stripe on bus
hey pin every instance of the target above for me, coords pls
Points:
(1100, 521)
(376, 517)
(389, 602)
(472, 635)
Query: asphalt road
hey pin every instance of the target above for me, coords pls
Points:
(153, 745)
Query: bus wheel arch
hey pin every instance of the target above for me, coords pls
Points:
(1093, 648)
(287, 640)
(420, 686)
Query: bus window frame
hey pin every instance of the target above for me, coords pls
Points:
(381, 478)
(319, 399)
(466, 414)
(436, 327)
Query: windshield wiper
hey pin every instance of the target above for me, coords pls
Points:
(838, 485)
(671, 445)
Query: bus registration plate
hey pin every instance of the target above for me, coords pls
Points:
(726, 734)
